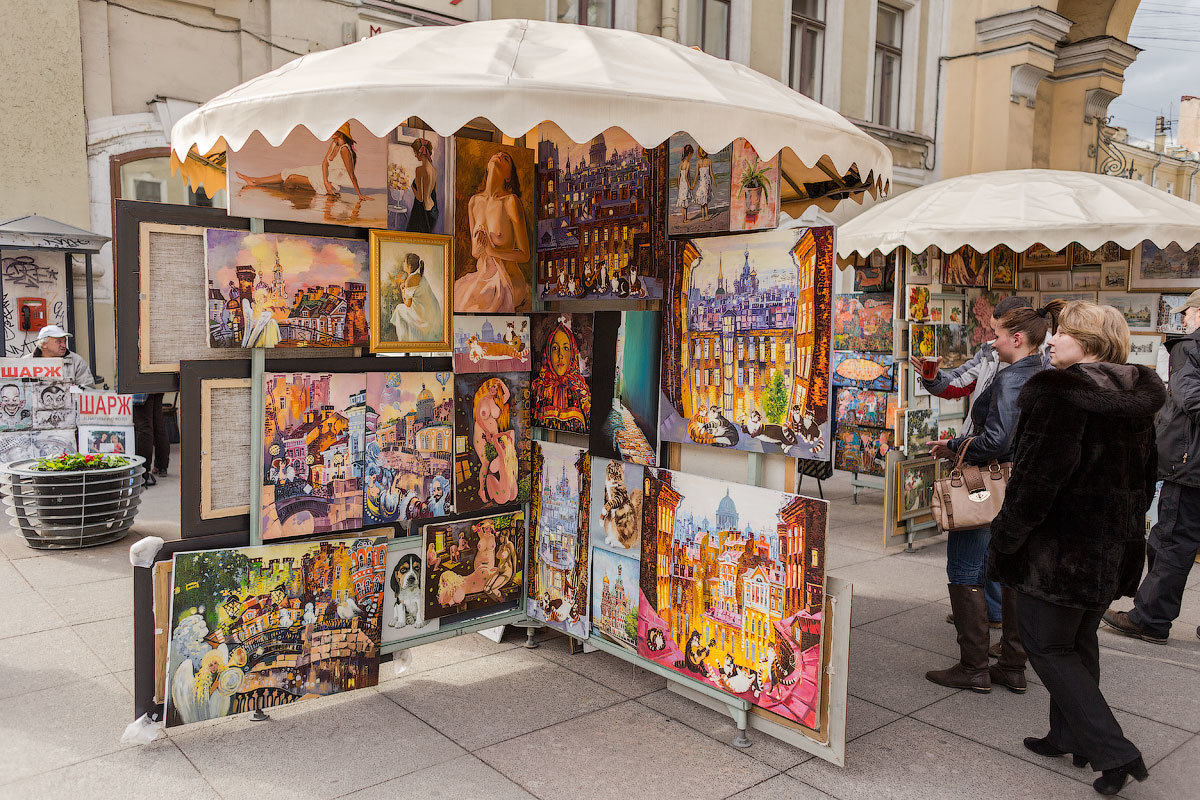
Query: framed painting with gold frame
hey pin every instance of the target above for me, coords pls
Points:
(410, 294)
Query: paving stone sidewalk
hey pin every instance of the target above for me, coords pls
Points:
(474, 719)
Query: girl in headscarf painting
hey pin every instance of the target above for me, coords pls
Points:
(562, 398)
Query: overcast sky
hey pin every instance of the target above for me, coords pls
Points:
(1167, 68)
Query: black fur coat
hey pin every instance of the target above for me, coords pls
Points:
(1072, 529)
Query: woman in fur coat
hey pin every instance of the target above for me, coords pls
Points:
(1070, 536)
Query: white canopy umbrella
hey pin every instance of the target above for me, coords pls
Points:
(519, 73)
(1020, 208)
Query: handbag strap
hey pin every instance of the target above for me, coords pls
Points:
(962, 452)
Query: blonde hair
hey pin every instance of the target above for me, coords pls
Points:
(1100, 330)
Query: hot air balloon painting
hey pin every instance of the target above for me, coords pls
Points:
(865, 370)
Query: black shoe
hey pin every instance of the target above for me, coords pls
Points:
(1120, 622)
(161, 472)
(149, 480)
(1113, 780)
(1044, 748)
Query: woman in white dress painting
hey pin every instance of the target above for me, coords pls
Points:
(684, 198)
(702, 193)
(417, 316)
(499, 243)
(337, 169)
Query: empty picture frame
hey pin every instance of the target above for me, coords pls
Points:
(161, 290)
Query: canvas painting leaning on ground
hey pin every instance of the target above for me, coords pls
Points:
(746, 342)
(732, 589)
(403, 613)
(259, 627)
(557, 585)
(280, 290)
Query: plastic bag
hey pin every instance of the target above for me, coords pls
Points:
(142, 730)
(143, 551)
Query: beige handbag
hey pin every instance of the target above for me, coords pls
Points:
(969, 497)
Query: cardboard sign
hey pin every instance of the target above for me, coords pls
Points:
(104, 408)
(37, 369)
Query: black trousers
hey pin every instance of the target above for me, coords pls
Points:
(1062, 647)
(1170, 554)
(151, 439)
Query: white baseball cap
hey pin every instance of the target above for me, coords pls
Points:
(51, 332)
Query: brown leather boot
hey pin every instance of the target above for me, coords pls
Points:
(1009, 671)
(971, 622)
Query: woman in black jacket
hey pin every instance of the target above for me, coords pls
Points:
(1070, 536)
(1019, 333)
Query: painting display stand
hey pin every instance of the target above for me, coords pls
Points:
(859, 481)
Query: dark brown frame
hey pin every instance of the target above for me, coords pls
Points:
(130, 215)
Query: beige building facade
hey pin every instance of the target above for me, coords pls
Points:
(951, 86)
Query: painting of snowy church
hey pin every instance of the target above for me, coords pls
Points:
(731, 589)
(601, 222)
(278, 290)
(746, 342)
(558, 578)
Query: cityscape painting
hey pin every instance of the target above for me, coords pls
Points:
(313, 439)
(491, 440)
(279, 290)
(732, 589)
(408, 471)
(601, 214)
(259, 627)
(557, 585)
(614, 610)
(1169, 267)
(473, 565)
(746, 343)
(491, 343)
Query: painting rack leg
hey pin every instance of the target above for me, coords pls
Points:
(741, 716)
(530, 644)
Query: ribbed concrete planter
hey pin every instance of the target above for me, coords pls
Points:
(68, 510)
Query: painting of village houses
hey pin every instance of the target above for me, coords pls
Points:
(491, 343)
(408, 471)
(732, 589)
(257, 627)
(277, 290)
(312, 475)
(746, 343)
(473, 565)
(559, 511)
(601, 222)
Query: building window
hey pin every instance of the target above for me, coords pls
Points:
(808, 47)
(707, 26)
(889, 33)
(597, 13)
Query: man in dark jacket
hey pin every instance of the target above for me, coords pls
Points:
(1176, 538)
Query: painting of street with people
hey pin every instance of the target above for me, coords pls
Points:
(746, 336)
(278, 290)
(474, 565)
(732, 589)
(312, 481)
(259, 627)
(409, 452)
(557, 592)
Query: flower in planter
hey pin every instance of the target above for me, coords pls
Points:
(74, 462)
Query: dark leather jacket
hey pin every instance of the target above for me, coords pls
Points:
(1177, 426)
(994, 413)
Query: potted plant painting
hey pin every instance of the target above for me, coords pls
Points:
(755, 186)
(73, 500)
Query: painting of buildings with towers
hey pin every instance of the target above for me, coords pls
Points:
(557, 586)
(732, 589)
(258, 627)
(601, 217)
(745, 346)
(279, 290)
(313, 443)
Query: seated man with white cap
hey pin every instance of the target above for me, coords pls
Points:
(52, 343)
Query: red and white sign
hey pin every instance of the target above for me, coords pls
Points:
(37, 369)
(104, 408)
